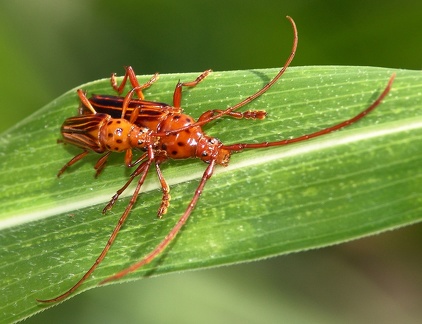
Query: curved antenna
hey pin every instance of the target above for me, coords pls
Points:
(143, 170)
(250, 98)
(242, 146)
(172, 234)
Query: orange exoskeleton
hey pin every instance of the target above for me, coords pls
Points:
(101, 133)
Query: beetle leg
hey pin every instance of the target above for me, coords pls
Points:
(177, 96)
(72, 161)
(134, 174)
(249, 114)
(99, 166)
(85, 101)
(165, 201)
(130, 73)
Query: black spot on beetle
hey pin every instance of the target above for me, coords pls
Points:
(119, 141)
(173, 152)
(180, 144)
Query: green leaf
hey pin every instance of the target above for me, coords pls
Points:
(359, 181)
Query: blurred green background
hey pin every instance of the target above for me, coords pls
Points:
(49, 47)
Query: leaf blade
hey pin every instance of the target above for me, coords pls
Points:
(267, 202)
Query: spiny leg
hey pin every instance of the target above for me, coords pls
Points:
(145, 167)
(376, 103)
(130, 73)
(177, 95)
(171, 235)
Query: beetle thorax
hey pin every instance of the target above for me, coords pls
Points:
(209, 148)
(120, 135)
(140, 137)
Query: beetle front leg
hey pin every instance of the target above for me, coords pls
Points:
(130, 73)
